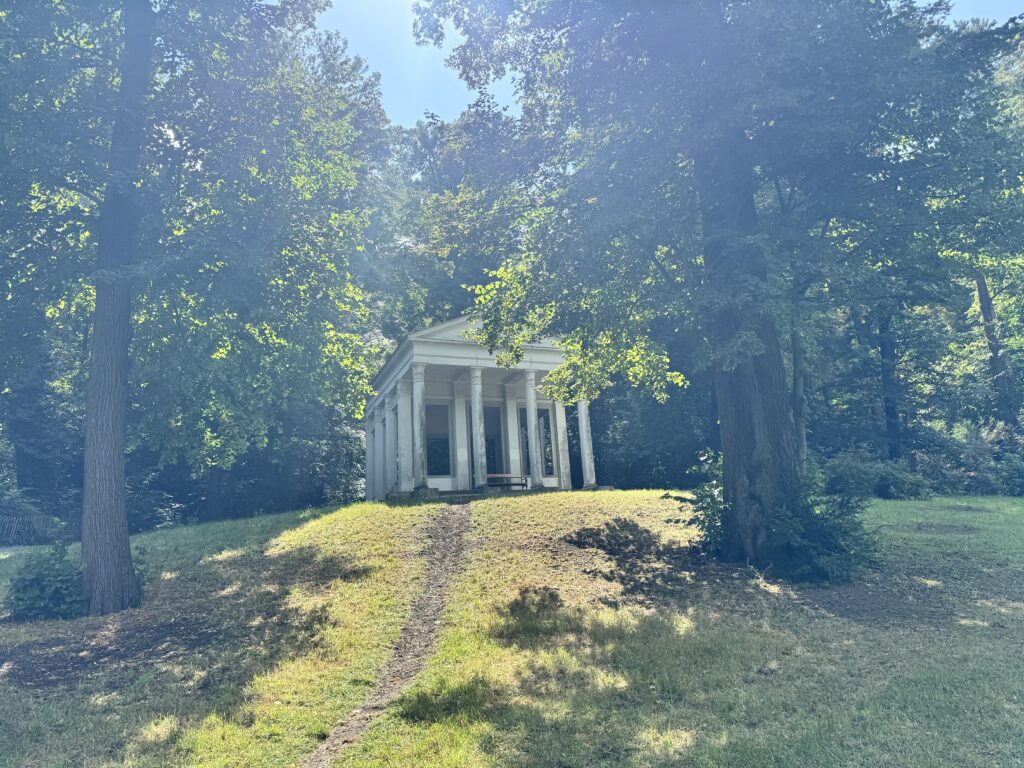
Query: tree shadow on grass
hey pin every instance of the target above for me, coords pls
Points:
(593, 686)
(582, 701)
(201, 637)
(894, 593)
(923, 595)
(217, 608)
(649, 570)
(637, 687)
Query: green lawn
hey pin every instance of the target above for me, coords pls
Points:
(256, 636)
(567, 643)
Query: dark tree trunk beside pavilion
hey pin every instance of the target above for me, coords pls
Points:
(760, 465)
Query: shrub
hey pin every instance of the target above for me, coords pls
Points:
(1010, 472)
(708, 501)
(896, 481)
(150, 508)
(857, 474)
(973, 458)
(853, 473)
(47, 586)
(821, 540)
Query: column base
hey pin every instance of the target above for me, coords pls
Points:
(425, 492)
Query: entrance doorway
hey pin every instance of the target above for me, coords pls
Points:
(494, 440)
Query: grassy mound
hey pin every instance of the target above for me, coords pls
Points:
(582, 631)
(582, 635)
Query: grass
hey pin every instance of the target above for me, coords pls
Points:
(568, 641)
(255, 638)
(659, 663)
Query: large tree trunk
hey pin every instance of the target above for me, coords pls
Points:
(890, 386)
(106, 555)
(1008, 400)
(761, 474)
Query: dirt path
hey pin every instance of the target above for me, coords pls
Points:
(445, 539)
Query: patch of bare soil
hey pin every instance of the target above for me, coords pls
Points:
(960, 507)
(938, 598)
(952, 529)
(445, 541)
(876, 602)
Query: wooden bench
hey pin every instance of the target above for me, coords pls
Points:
(506, 481)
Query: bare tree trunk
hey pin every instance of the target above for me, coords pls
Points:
(106, 554)
(1008, 400)
(798, 396)
(760, 472)
(890, 387)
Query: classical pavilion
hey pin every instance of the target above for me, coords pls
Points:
(448, 418)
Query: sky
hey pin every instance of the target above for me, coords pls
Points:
(415, 79)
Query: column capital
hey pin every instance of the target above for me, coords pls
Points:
(530, 377)
(419, 370)
(476, 374)
(389, 400)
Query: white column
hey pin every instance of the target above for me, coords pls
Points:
(515, 457)
(562, 442)
(405, 471)
(419, 427)
(380, 462)
(461, 438)
(390, 441)
(586, 445)
(476, 396)
(532, 438)
(371, 455)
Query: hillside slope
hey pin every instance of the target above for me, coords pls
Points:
(580, 631)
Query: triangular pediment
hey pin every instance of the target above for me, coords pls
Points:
(458, 329)
(453, 330)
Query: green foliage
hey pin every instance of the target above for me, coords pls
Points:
(979, 458)
(268, 164)
(47, 586)
(291, 235)
(859, 474)
(708, 506)
(641, 443)
(851, 148)
(825, 541)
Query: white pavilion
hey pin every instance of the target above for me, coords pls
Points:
(448, 418)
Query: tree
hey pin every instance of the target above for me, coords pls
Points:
(221, 205)
(110, 577)
(684, 159)
(55, 82)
